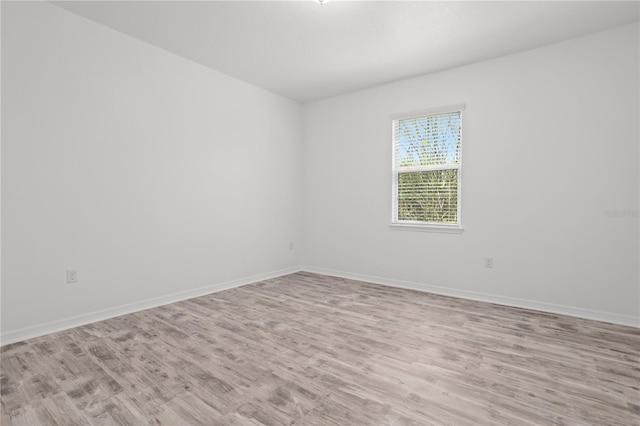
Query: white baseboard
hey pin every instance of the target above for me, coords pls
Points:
(573, 311)
(76, 321)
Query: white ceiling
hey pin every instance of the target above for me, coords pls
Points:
(306, 51)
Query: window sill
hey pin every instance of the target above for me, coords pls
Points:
(452, 229)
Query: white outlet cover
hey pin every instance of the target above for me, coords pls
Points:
(72, 276)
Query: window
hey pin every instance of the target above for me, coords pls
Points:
(426, 165)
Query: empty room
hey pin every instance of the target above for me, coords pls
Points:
(320, 213)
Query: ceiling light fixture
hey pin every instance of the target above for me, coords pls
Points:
(321, 2)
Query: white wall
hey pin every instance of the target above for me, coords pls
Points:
(147, 173)
(138, 168)
(550, 143)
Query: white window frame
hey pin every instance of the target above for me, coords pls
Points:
(418, 225)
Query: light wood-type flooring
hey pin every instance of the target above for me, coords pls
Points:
(308, 349)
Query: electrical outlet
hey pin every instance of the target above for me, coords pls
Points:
(72, 276)
(488, 262)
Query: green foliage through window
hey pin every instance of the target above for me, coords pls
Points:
(430, 196)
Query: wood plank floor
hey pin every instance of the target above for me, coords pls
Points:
(308, 349)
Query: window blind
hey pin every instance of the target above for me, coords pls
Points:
(426, 168)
